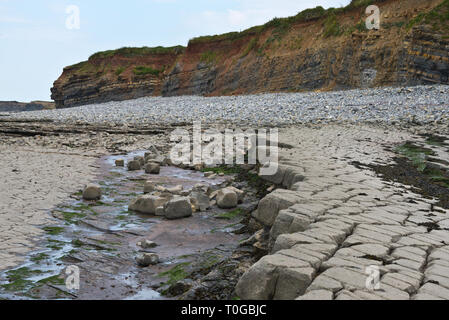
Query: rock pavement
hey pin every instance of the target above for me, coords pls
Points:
(330, 229)
(327, 224)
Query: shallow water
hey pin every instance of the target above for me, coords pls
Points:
(101, 239)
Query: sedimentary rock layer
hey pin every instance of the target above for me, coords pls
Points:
(316, 50)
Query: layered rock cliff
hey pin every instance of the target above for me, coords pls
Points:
(315, 50)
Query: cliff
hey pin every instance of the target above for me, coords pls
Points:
(315, 50)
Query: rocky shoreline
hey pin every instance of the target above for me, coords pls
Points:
(348, 195)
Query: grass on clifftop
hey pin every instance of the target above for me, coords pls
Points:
(137, 52)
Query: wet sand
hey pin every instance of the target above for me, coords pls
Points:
(34, 180)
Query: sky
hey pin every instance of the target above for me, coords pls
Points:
(38, 38)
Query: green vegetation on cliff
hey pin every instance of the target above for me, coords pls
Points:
(136, 52)
(438, 18)
(142, 71)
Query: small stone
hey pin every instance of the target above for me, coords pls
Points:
(134, 165)
(175, 190)
(208, 174)
(147, 204)
(92, 192)
(180, 287)
(177, 208)
(147, 244)
(202, 187)
(213, 195)
(152, 168)
(198, 167)
(161, 189)
(119, 163)
(200, 200)
(147, 259)
(227, 199)
(185, 193)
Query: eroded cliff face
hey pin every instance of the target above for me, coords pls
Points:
(316, 50)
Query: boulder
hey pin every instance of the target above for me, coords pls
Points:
(147, 204)
(269, 207)
(278, 277)
(227, 199)
(92, 192)
(119, 163)
(134, 165)
(240, 193)
(147, 259)
(152, 168)
(177, 208)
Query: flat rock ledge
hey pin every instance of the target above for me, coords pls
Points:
(334, 222)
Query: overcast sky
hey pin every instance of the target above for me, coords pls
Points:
(35, 42)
